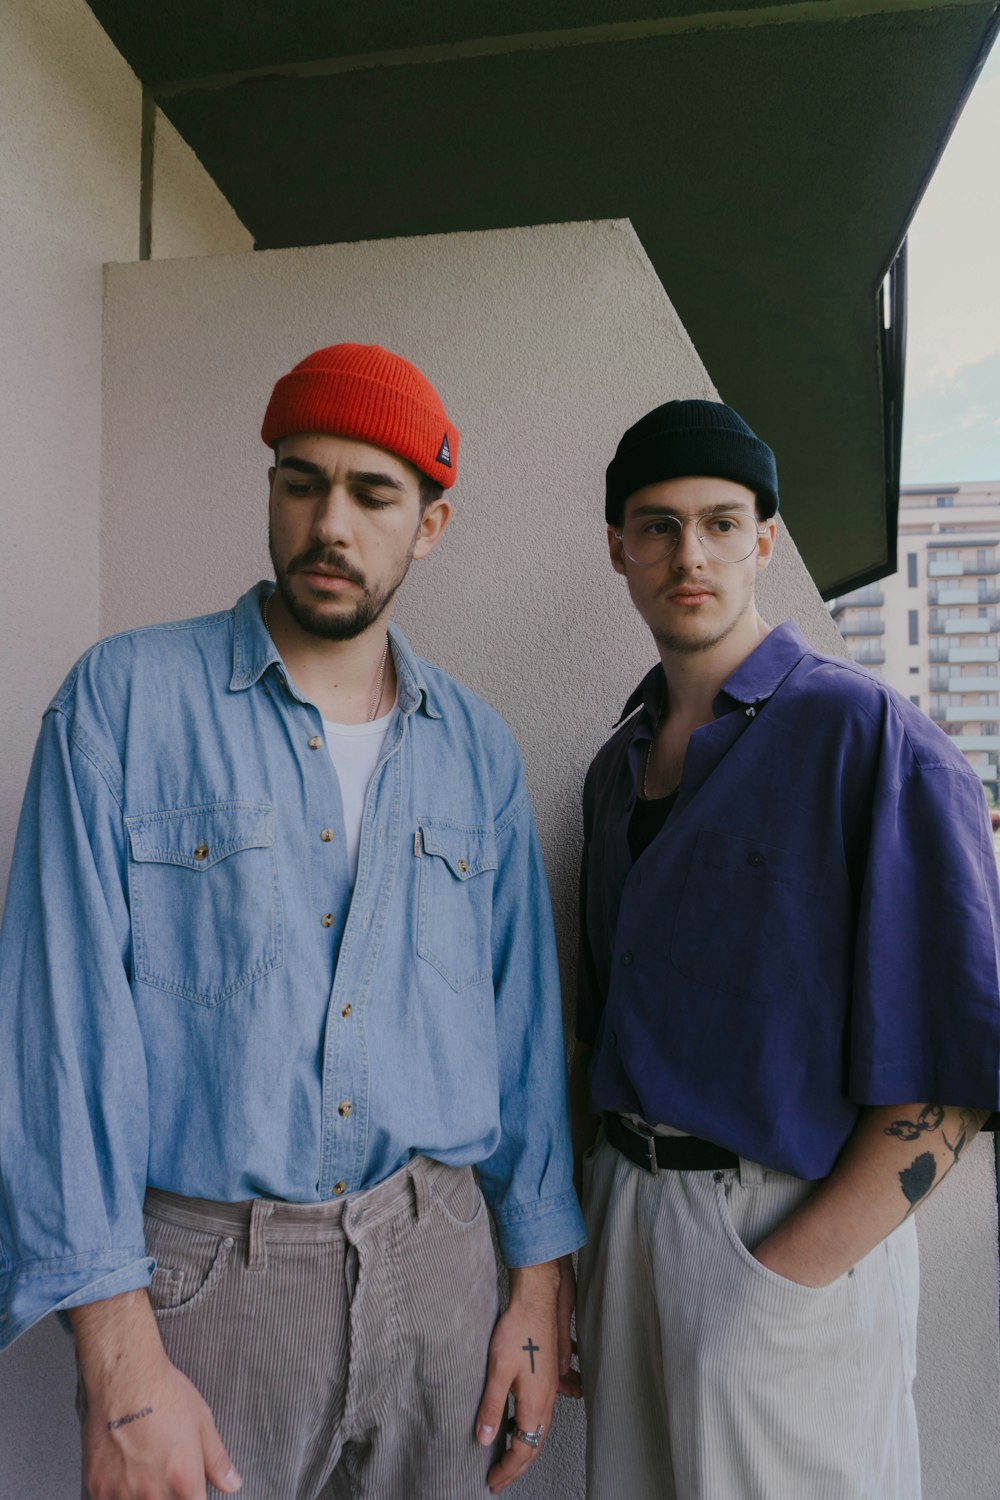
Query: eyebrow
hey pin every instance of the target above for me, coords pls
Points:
(722, 509)
(370, 477)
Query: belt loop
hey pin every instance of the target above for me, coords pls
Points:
(421, 1191)
(260, 1211)
(751, 1173)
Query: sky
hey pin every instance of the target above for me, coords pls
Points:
(951, 414)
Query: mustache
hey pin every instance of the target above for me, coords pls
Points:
(322, 557)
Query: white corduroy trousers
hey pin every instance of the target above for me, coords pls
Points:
(709, 1377)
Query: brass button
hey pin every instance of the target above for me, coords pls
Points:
(462, 866)
(347, 1010)
(201, 852)
(327, 919)
(344, 1108)
(340, 1187)
(314, 742)
(326, 835)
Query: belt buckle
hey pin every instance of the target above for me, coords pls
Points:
(650, 1138)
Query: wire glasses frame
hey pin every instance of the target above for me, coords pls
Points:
(729, 537)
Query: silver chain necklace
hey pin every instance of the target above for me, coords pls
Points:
(380, 676)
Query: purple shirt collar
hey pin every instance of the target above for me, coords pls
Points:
(756, 678)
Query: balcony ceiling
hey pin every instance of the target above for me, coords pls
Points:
(769, 156)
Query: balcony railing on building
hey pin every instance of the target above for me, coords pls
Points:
(963, 569)
(970, 625)
(941, 651)
(866, 598)
(862, 627)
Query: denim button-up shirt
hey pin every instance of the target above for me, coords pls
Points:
(192, 997)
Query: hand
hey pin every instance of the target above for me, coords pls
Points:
(148, 1434)
(569, 1379)
(523, 1363)
(164, 1450)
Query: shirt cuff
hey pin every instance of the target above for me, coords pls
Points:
(546, 1232)
(32, 1292)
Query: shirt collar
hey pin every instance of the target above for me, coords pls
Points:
(755, 679)
(254, 651)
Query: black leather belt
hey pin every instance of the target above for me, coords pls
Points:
(671, 1153)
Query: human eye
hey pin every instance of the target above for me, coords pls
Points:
(299, 487)
(660, 526)
(370, 501)
(723, 525)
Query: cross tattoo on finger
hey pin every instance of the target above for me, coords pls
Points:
(531, 1349)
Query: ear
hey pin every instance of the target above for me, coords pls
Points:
(616, 550)
(433, 521)
(765, 543)
(270, 480)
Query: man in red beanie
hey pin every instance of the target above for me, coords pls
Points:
(283, 978)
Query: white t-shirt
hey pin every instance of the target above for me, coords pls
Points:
(355, 750)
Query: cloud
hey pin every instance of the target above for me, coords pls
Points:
(951, 432)
(954, 291)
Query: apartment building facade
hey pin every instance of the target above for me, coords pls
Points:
(932, 630)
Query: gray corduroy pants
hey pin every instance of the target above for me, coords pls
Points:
(341, 1346)
(707, 1376)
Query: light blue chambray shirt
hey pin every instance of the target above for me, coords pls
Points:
(191, 997)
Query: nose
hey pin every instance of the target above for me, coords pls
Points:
(690, 551)
(331, 519)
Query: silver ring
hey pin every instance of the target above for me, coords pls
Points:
(531, 1438)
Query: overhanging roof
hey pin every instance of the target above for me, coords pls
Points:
(769, 155)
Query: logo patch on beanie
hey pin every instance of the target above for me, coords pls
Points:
(444, 452)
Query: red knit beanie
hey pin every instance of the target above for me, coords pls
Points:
(362, 391)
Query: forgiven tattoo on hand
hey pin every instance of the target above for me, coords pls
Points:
(531, 1349)
(133, 1416)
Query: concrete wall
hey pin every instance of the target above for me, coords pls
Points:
(70, 115)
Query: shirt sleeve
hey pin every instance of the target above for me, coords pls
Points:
(73, 1100)
(926, 1010)
(528, 1180)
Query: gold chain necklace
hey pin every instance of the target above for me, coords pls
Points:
(380, 675)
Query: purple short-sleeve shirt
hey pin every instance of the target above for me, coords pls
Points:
(815, 928)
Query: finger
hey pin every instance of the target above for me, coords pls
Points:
(571, 1385)
(564, 1317)
(493, 1407)
(520, 1454)
(219, 1468)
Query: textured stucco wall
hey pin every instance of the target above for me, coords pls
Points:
(70, 114)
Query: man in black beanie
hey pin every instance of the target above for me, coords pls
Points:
(783, 1055)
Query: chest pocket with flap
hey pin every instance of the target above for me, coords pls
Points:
(206, 909)
(455, 901)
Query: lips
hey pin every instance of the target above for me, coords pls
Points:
(325, 574)
(690, 596)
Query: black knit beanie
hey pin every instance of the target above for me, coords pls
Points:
(687, 438)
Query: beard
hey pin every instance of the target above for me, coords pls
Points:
(370, 604)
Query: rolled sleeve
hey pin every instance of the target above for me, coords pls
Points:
(527, 1181)
(73, 1101)
(33, 1291)
(926, 1003)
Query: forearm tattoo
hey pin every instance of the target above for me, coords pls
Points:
(133, 1416)
(920, 1176)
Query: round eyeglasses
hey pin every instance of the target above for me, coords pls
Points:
(728, 536)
